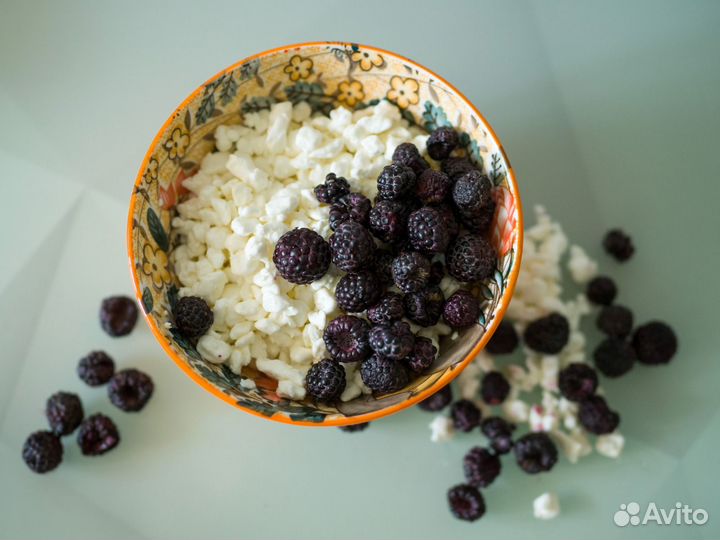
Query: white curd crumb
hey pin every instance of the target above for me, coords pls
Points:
(610, 445)
(442, 429)
(546, 506)
(582, 268)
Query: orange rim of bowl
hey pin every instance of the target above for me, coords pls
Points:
(449, 375)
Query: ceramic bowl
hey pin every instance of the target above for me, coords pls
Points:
(325, 75)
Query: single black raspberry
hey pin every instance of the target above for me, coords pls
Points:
(619, 245)
(382, 374)
(388, 221)
(354, 428)
(448, 215)
(535, 453)
(470, 258)
(408, 154)
(346, 339)
(301, 256)
(357, 291)
(396, 181)
(383, 266)
(505, 339)
(118, 315)
(96, 368)
(601, 290)
(130, 390)
(499, 432)
(422, 355)
(394, 341)
(548, 335)
(614, 357)
(64, 412)
(325, 380)
(338, 214)
(352, 247)
(438, 401)
(597, 417)
(494, 388)
(333, 188)
(655, 343)
(193, 317)
(465, 415)
(455, 167)
(433, 186)
(437, 273)
(441, 142)
(615, 321)
(97, 435)
(472, 191)
(461, 309)
(478, 221)
(577, 381)
(427, 230)
(481, 467)
(42, 451)
(353, 206)
(411, 271)
(466, 502)
(424, 307)
(389, 308)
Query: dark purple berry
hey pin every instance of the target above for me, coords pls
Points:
(615, 321)
(481, 467)
(388, 221)
(437, 273)
(479, 221)
(333, 189)
(354, 428)
(433, 186)
(96, 368)
(438, 401)
(351, 246)
(325, 380)
(408, 154)
(382, 374)
(448, 216)
(577, 381)
(465, 415)
(422, 356)
(505, 339)
(548, 335)
(619, 245)
(357, 291)
(383, 266)
(470, 258)
(301, 256)
(42, 451)
(338, 214)
(601, 290)
(424, 307)
(118, 315)
(535, 453)
(411, 271)
(461, 309)
(466, 502)
(396, 181)
(346, 339)
(354, 206)
(472, 191)
(427, 230)
(130, 390)
(614, 357)
(597, 417)
(64, 412)
(654, 343)
(193, 317)
(394, 341)
(97, 435)
(389, 308)
(455, 167)
(441, 142)
(494, 388)
(499, 432)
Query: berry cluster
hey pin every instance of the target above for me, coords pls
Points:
(128, 389)
(395, 253)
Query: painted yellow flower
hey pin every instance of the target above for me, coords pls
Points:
(404, 92)
(155, 265)
(299, 68)
(176, 145)
(151, 173)
(367, 59)
(350, 93)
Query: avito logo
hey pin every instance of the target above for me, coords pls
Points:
(680, 514)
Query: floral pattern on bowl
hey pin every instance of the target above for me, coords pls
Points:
(325, 75)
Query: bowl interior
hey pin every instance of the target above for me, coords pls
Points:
(325, 75)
